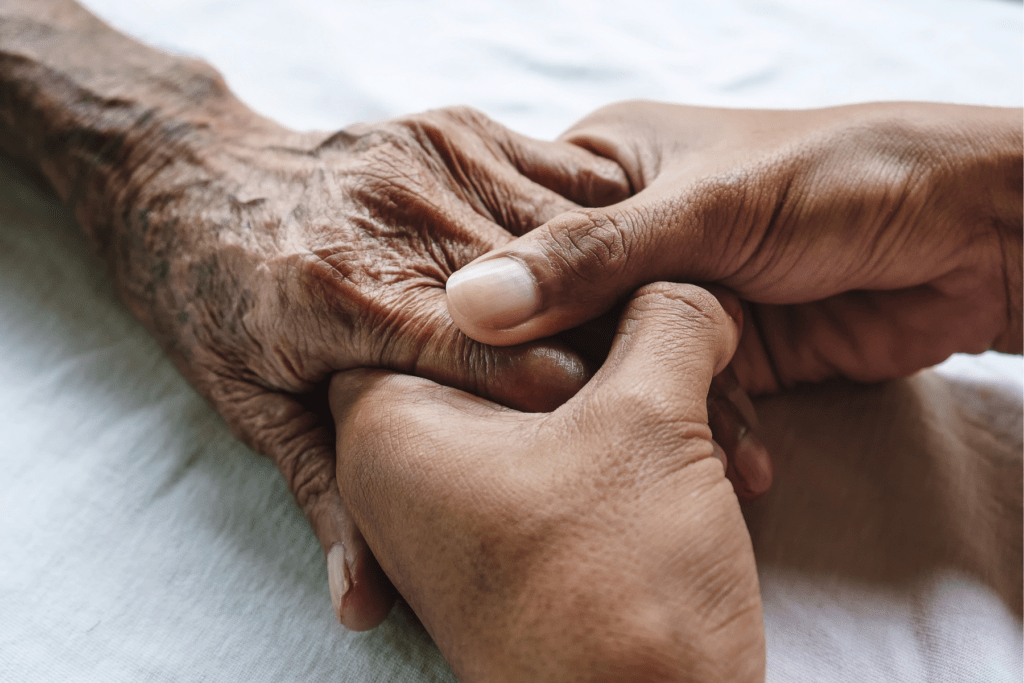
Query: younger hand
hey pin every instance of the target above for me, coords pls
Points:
(870, 240)
(600, 542)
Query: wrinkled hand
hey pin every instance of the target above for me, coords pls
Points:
(600, 542)
(266, 260)
(870, 240)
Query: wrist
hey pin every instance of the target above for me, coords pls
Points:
(1008, 219)
(988, 176)
(1011, 341)
(963, 174)
(181, 240)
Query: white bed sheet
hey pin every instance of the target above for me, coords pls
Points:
(142, 543)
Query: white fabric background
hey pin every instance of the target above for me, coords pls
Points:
(140, 542)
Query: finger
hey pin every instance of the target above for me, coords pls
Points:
(301, 444)
(566, 169)
(549, 178)
(511, 199)
(733, 420)
(361, 594)
(569, 170)
(534, 377)
(732, 417)
(515, 180)
(569, 270)
(672, 340)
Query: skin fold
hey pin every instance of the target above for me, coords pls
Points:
(265, 259)
(867, 241)
(598, 542)
(561, 529)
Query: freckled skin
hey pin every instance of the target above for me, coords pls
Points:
(264, 259)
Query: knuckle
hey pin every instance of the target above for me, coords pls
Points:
(385, 149)
(465, 114)
(408, 324)
(310, 479)
(592, 245)
(684, 301)
(452, 133)
(438, 123)
(204, 81)
(460, 116)
(604, 181)
(429, 125)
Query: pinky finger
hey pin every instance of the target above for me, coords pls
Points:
(361, 594)
(732, 420)
(301, 444)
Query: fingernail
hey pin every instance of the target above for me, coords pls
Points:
(753, 465)
(728, 385)
(498, 293)
(717, 451)
(739, 398)
(337, 578)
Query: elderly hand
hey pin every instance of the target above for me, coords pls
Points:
(600, 542)
(264, 260)
(265, 266)
(870, 240)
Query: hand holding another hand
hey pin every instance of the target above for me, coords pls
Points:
(868, 241)
(599, 542)
(265, 260)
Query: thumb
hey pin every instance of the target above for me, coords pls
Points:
(671, 352)
(671, 341)
(569, 270)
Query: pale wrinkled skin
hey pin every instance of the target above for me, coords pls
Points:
(599, 542)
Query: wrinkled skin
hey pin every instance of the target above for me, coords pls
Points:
(599, 542)
(264, 259)
(869, 241)
(296, 262)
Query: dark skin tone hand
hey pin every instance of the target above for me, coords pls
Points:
(867, 241)
(600, 542)
(265, 259)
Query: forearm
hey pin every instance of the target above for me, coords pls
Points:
(85, 107)
(128, 136)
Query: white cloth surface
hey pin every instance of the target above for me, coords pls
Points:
(142, 543)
